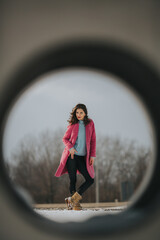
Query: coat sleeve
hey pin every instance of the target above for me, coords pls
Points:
(93, 142)
(66, 137)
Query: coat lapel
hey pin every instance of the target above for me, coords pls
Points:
(76, 129)
(87, 135)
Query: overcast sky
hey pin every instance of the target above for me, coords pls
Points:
(46, 105)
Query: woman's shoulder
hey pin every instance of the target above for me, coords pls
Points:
(91, 122)
(70, 125)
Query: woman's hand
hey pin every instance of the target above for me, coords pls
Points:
(91, 161)
(72, 151)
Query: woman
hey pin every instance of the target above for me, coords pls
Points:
(79, 153)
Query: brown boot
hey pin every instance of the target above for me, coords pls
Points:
(68, 201)
(75, 201)
(77, 206)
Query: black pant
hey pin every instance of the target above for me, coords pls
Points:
(78, 162)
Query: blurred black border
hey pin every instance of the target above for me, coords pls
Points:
(133, 70)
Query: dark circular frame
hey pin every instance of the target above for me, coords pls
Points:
(138, 74)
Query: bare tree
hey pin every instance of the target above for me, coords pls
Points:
(35, 161)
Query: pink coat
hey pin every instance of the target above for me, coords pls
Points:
(69, 140)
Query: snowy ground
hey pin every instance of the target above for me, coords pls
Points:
(64, 215)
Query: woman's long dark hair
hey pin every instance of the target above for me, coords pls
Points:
(73, 119)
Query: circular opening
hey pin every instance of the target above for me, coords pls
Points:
(125, 141)
(116, 65)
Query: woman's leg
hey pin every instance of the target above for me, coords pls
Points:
(72, 169)
(81, 166)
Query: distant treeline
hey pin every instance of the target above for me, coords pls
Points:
(33, 164)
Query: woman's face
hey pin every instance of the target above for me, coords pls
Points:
(80, 114)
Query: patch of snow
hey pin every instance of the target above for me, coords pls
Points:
(65, 215)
